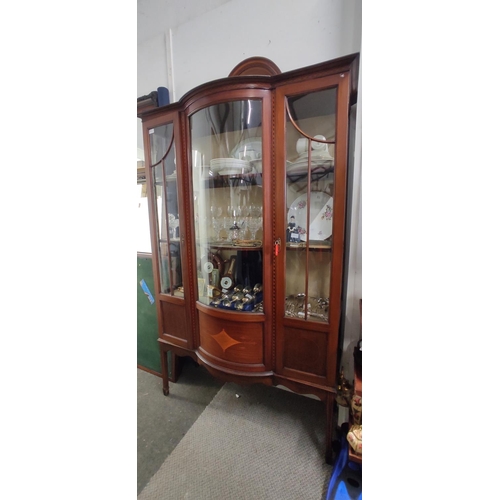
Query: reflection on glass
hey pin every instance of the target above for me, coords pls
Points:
(167, 209)
(226, 162)
(310, 160)
(143, 234)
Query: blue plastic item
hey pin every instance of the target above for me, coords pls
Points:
(163, 96)
(345, 483)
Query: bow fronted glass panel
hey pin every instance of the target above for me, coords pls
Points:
(227, 165)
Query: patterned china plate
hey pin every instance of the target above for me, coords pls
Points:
(321, 213)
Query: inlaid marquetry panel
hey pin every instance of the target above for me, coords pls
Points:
(233, 341)
(224, 340)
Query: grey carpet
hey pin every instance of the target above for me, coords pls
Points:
(162, 421)
(265, 444)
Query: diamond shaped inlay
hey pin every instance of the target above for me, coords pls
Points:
(224, 340)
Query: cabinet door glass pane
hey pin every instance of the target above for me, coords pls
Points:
(226, 162)
(167, 209)
(310, 153)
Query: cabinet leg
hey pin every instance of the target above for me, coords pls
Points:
(174, 366)
(330, 401)
(164, 372)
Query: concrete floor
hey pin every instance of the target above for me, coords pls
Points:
(162, 421)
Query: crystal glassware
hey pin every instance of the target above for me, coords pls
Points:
(217, 224)
(254, 224)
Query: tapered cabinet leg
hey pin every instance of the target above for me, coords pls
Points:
(330, 401)
(164, 371)
(174, 367)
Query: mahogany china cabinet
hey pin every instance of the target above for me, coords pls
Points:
(248, 188)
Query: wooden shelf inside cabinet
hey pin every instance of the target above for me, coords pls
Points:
(238, 176)
(230, 246)
(316, 174)
(316, 245)
(250, 178)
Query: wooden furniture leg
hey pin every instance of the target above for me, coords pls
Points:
(164, 371)
(175, 367)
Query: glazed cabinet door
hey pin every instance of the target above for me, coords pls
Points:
(229, 152)
(164, 176)
(311, 161)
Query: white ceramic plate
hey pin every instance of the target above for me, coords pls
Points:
(256, 165)
(219, 164)
(301, 168)
(250, 148)
(317, 160)
(321, 213)
(203, 171)
(234, 171)
(322, 155)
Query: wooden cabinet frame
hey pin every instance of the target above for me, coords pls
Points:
(271, 348)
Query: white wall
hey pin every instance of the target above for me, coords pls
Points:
(184, 44)
(291, 33)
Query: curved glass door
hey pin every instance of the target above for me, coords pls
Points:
(226, 162)
(310, 163)
(163, 165)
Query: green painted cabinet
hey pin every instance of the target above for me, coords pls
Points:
(148, 353)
